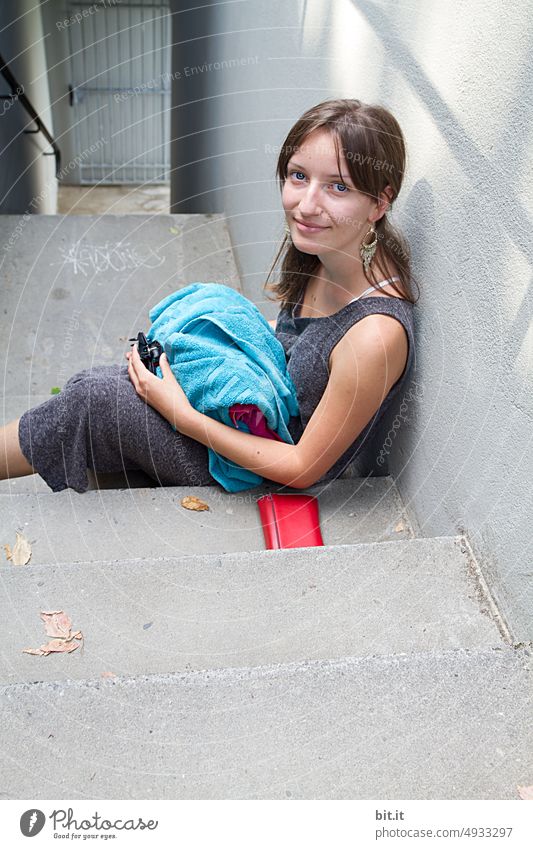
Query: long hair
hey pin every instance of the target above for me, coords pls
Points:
(374, 149)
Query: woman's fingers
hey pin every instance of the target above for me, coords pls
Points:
(138, 373)
(147, 385)
(131, 373)
(135, 353)
(134, 359)
(164, 365)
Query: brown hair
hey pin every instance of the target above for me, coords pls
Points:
(374, 148)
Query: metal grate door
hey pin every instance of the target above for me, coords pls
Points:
(120, 90)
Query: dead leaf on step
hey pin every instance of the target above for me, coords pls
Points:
(54, 646)
(21, 551)
(399, 527)
(191, 502)
(57, 624)
(525, 792)
(58, 645)
(107, 675)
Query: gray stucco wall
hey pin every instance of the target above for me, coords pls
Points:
(458, 78)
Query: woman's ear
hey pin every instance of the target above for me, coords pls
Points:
(384, 202)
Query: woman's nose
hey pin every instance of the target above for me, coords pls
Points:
(309, 201)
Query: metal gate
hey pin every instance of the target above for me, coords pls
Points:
(120, 90)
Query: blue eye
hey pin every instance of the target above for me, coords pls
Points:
(344, 187)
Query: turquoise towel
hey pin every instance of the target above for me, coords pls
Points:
(223, 352)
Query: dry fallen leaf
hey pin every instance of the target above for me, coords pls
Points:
(107, 675)
(57, 646)
(54, 646)
(525, 792)
(59, 625)
(191, 502)
(21, 551)
(399, 527)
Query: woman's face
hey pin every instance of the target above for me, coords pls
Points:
(315, 194)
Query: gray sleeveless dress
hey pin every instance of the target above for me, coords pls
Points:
(99, 422)
(308, 343)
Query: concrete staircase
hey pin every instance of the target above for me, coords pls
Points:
(375, 667)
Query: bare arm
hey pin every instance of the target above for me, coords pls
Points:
(277, 461)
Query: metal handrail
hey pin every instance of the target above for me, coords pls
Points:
(17, 91)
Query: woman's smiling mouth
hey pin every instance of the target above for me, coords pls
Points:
(308, 228)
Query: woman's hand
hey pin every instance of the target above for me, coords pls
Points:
(164, 395)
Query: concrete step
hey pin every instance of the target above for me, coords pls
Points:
(442, 725)
(66, 527)
(75, 288)
(236, 610)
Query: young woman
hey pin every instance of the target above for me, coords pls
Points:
(345, 323)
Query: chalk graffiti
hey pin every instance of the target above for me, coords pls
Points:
(94, 259)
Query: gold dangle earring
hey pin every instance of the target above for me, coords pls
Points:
(367, 251)
(288, 231)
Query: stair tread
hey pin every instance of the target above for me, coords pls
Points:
(440, 725)
(111, 524)
(212, 610)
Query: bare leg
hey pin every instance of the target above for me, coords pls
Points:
(13, 463)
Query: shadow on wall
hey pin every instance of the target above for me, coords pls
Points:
(418, 225)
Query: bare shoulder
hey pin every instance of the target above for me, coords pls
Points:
(376, 341)
(367, 362)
